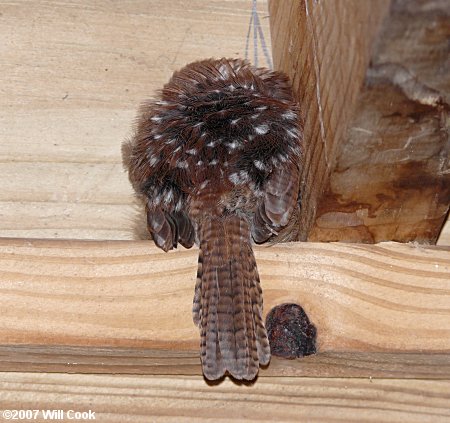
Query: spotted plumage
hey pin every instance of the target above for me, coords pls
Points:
(216, 161)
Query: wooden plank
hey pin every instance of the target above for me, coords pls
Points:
(385, 298)
(325, 48)
(72, 77)
(67, 219)
(444, 236)
(391, 180)
(143, 361)
(185, 399)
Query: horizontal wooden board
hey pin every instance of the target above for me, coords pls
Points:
(73, 75)
(67, 219)
(389, 297)
(141, 361)
(185, 399)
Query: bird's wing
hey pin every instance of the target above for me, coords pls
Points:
(278, 203)
(169, 228)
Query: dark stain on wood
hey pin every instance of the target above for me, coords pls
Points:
(391, 179)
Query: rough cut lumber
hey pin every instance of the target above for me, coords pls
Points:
(189, 399)
(390, 298)
(391, 179)
(325, 47)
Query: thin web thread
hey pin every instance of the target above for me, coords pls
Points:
(258, 35)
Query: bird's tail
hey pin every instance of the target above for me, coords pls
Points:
(228, 301)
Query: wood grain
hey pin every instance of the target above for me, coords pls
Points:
(144, 361)
(73, 75)
(186, 399)
(444, 236)
(391, 179)
(325, 47)
(385, 298)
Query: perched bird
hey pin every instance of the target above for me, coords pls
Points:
(216, 161)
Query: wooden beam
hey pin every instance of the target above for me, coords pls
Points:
(391, 179)
(325, 48)
(189, 399)
(144, 361)
(132, 298)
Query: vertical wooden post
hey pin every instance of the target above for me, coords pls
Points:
(324, 46)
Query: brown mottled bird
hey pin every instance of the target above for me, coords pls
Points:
(216, 160)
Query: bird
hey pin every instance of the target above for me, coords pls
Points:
(215, 158)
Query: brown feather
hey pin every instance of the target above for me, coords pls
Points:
(235, 340)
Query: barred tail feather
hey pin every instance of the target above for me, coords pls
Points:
(228, 301)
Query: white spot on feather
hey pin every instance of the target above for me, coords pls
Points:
(234, 178)
(262, 129)
(169, 196)
(153, 160)
(243, 175)
(238, 178)
(295, 149)
(259, 164)
(213, 143)
(289, 115)
(282, 157)
(293, 133)
(183, 164)
(223, 69)
(234, 144)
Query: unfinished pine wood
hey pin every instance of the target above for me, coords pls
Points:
(444, 236)
(185, 399)
(144, 361)
(73, 74)
(391, 179)
(325, 48)
(385, 298)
